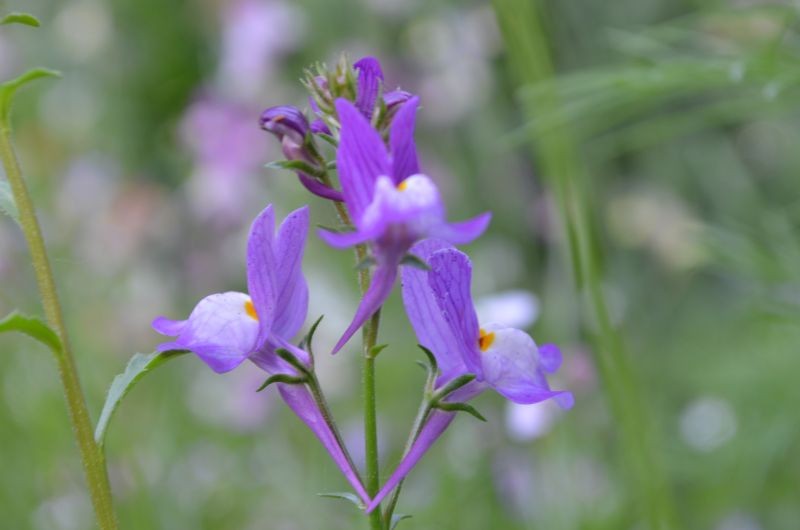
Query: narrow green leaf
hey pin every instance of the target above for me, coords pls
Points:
(294, 165)
(33, 327)
(396, 518)
(139, 365)
(454, 385)
(414, 261)
(346, 496)
(337, 229)
(282, 378)
(7, 204)
(307, 341)
(460, 407)
(21, 18)
(375, 350)
(431, 358)
(9, 88)
(328, 138)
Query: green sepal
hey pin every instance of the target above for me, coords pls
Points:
(139, 365)
(7, 204)
(366, 263)
(305, 344)
(346, 496)
(294, 165)
(328, 138)
(434, 366)
(459, 407)
(34, 327)
(289, 357)
(282, 378)
(8, 88)
(396, 518)
(453, 385)
(415, 261)
(21, 18)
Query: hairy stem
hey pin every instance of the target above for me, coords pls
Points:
(92, 457)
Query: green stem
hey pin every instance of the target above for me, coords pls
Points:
(93, 461)
(530, 61)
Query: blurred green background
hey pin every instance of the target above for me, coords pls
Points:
(145, 162)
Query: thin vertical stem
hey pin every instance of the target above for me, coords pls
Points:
(93, 461)
(529, 58)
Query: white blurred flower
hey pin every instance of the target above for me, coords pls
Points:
(528, 422)
(70, 511)
(84, 28)
(707, 423)
(739, 521)
(517, 309)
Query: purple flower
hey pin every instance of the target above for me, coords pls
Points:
(392, 204)
(225, 329)
(369, 86)
(291, 127)
(507, 360)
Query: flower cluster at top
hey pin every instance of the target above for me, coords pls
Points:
(393, 213)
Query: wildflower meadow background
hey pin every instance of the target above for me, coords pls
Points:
(641, 161)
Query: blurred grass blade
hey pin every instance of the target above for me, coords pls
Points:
(396, 518)
(555, 150)
(33, 327)
(21, 18)
(9, 88)
(139, 365)
(345, 496)
(7, 204)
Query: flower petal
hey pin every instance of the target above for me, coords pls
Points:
(378, 291)
(512, 367)
(347, 239)
(450, 279)
(401, 140)
(361, 157)
(318, 188)
(370, 82)
(463, 232)
(437, 423)
(550, 358)
(300, 400)
(261, 271)
(433, 331)
(220, 331)
(291, 286)
(416, 204)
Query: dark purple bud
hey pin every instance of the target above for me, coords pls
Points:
(370, 83)
(395, 98)
(285, 122)
(319, 126)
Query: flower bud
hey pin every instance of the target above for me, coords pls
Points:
(290, 126)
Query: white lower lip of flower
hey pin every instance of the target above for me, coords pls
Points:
(415, 203)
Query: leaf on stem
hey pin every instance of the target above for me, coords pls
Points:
(282, 378)
(309, 338)
(459, 407)
(375, 350)
(139, 365)
(396, 518)
(9, 88)
(294, 165)
(33, 327)
(431, 358)
(21, 18)
(346, 496)
(296, 363)
(7, 204)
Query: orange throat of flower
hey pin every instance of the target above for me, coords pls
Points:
(250, 309)
(403, 185)
(485, 340)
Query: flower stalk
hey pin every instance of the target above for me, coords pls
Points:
(91, 455)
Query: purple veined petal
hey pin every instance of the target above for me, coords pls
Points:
(261, 271)
(319, 189)
(401, 140)
(377, 293)
(169, 327)
(370, 82)
(221, 330)
(463, 232)
(361, 157)
(415, 204)
(450, 279)
(437, 423)
(285, 120)
(347, 239)
(550, 358)
(512, 367)
(299, 399)
(291, 286)
(422, 308)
